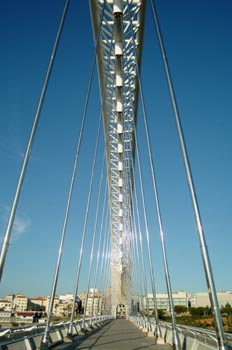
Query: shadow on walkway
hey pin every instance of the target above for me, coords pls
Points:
(116, 335)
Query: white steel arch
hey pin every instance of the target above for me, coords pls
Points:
(120, 48)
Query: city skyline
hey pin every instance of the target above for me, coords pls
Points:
(66, 294)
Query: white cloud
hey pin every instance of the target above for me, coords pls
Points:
(20, 226)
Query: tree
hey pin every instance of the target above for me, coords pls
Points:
(161, 314)
(197, 311)
(208, 311)
(227, 309)
(180, 309)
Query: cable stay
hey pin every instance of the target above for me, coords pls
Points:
(92, 248)
(30, 142)
(46, 338)
(204, 251)
(176, 341)
(102, 224)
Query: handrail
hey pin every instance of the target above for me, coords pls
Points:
(17, 333)
(204, 336)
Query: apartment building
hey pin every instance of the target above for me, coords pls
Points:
(6, 305)
(19, 301)
(94, 300)
(55, 305)
(38, 303)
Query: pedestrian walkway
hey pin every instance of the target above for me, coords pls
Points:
(118, 334)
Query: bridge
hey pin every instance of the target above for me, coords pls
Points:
(115, 219)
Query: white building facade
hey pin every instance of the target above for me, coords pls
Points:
(6, 305)
(202, 299)
(179, 298)
(19, 301)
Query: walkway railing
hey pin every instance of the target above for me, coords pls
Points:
(191, 338)
(31, 336)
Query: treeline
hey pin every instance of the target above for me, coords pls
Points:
(198, 316)
(202, 311)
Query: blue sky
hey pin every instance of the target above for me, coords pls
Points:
(197, 37)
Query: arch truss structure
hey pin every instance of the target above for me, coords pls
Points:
(118, 29)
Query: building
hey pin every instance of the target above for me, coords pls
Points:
(23, 303)
(5, 316)
(66, 304)
(19, 301)
(22, 317)
(67, 298)
(64, 309)
(37, 304)
(6, 305)
(179, 298)
(95, 301)
(55, 305)
(202, 299)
